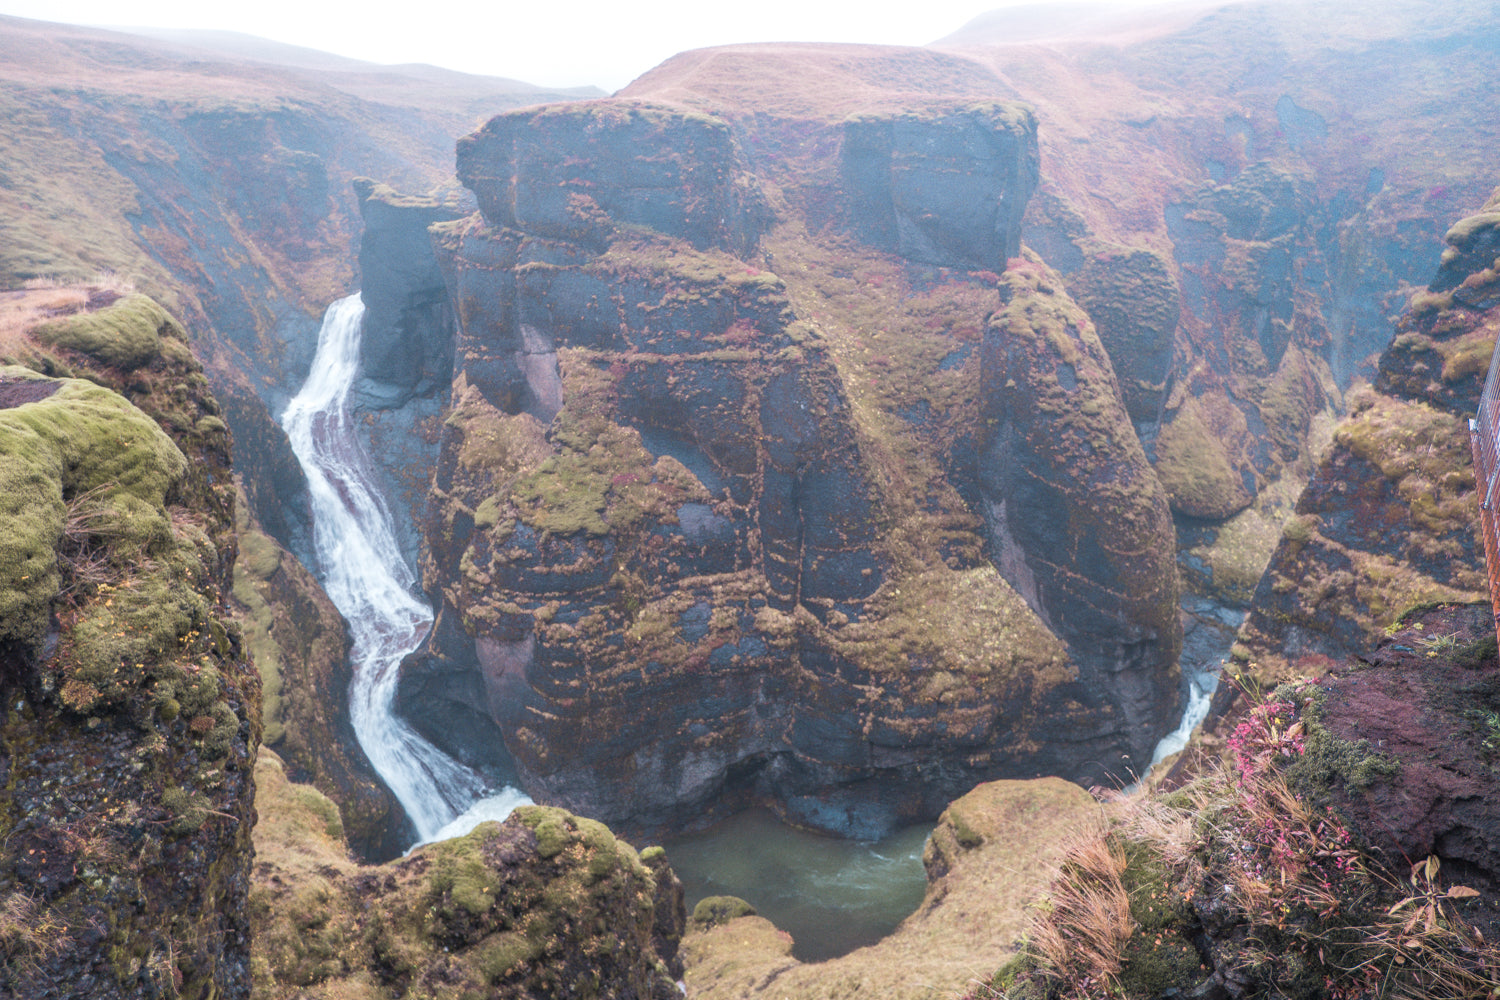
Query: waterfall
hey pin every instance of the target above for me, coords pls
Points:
(362, 570)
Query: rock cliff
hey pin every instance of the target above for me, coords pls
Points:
(131, 712)
(672, 523)
(1389, 520)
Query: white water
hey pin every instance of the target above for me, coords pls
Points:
(1200, 696)
(369, 582)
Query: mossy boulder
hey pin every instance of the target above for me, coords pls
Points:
(542, 903)
(86, 460)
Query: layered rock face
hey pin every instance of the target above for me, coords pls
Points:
(1077, 521)
(131, 714)
(1389, 520)
(677, 558)
(946, 189)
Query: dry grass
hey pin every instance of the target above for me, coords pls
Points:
(28, 935)
(1084, 923)
(1290, 874)
(41, 299)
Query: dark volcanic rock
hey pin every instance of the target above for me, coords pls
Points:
(945, 188)
(679, 570)
(1078, 523)
(1426, 702)
(407, 337)
(572, 172)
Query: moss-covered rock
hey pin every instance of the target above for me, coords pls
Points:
(543, 903)
(125, 335)
(130, 711)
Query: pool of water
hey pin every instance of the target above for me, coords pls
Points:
(831, 895)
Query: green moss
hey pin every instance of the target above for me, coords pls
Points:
(260, 556)
(187, 810)
(1327, 761)
(125, 335)
(87, 456)
(498, 954)
(713, 911)
(1160, 955)
(1468, 355)
(602, 480)
(550, 827)
(461, 876)
(1192, 462)
(1464, 233)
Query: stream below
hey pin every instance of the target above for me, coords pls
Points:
(831, 895)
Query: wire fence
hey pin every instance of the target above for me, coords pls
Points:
(1484, 440)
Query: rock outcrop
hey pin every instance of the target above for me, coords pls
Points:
(684, 553)
(942, 188)
(1389, 520)
(989, 854)
(407, 337)
(545, 904)
(131, 715)
(1078, 523)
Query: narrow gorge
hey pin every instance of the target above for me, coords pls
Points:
(369, 582)
(882, 453)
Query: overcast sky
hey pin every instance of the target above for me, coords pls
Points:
(602, 42)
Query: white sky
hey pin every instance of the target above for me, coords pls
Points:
(602, 42)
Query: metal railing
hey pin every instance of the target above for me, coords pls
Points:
(1484, 441)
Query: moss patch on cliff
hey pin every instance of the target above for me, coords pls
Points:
(124, 335)
(966, 631)
(1193, 463)
(83, 455)
(601, 480)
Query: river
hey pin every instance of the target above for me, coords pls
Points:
(361, 569)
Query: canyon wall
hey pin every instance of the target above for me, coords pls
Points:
(679, 564)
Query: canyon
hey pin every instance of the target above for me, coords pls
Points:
(833, 429)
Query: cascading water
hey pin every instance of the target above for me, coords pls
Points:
(369, 582)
